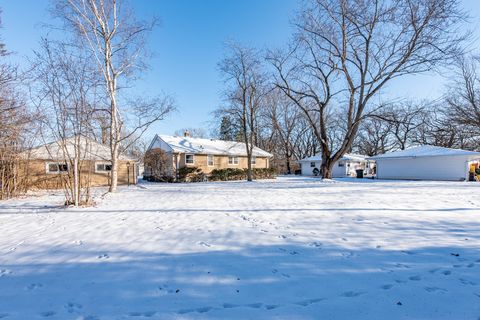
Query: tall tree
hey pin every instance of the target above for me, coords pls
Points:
(346, 51)
(243, 72)
(116, 39)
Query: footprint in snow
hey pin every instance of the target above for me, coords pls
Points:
(199, 310)
(285, 275)
(447, 272)
(229, 305)
(435, 289)
(4, 272)
(72, 307)
(255, 305)
(387, 286)
(467, 282)
(271, 306)
(316, 244)
(4, 315)
(47, 314)
(351, 294)
(34, 286)
(204, 244)
(308, 302)
(103, 256)
(400, 281)
(471, 265)
(415, 278)
(146, 314)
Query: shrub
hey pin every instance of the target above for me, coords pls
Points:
(191, 174)
(231, 174)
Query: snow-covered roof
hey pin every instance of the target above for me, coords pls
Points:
(346, 157)
(58, 150)
(427, 151)
(205, 146)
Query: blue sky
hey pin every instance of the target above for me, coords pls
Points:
(189, 43)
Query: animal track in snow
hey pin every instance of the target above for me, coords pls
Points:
(202, 243)
(103, 256)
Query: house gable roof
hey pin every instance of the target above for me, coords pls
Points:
(204, 146)
(89, 150)
(427, 151)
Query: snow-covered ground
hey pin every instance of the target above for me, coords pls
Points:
(294, 248)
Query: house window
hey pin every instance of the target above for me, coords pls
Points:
(254, 160)
(210, 160)
(189, 159)
(341, 164)
(312, 164)
(103, 167)
(233, 160)
(57, 167)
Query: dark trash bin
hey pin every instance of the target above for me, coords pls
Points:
(359, 173)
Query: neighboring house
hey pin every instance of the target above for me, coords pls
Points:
(48, 166)
(205, 154)
(426, 163)
(343, 168)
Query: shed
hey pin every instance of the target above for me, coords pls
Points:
(426, 163)
(343, 168)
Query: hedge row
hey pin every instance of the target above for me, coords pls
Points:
(194, 174)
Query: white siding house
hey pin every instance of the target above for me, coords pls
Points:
(345, 167)
(426, 163)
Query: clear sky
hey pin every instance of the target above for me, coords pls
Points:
(189, 43)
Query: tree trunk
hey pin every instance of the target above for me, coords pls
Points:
(326, 169)
(249, 167)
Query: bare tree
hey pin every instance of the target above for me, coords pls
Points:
(15, 127)
(346, 51)
(116, 39)
(243, 73)
(463, 97)
(66, 95)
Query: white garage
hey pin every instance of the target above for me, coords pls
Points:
(426, 163)
(345, 167)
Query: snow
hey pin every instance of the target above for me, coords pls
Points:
(346, 157)
(293, 248)
(428, 151)
(206, 146)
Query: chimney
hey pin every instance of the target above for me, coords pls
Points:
(186, 134)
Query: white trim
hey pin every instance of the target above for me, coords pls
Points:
(47, 167)
(193, 157)
(233, 161)
(208, 160)
(102, 162)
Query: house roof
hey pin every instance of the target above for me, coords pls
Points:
(346, 157)
(207, 146)
(89, 149)
(427, 151)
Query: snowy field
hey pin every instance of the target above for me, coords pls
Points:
(293, 248)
